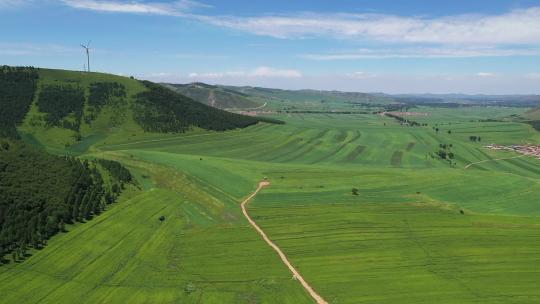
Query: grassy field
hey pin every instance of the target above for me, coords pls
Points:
(420, 230)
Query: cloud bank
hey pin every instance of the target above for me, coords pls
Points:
(260, 72)
(176, 8)
(517, 27)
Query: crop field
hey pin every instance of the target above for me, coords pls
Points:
(419, 230)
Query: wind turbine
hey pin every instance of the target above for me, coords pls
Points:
(87, 48)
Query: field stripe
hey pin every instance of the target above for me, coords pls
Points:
(336, 151)
(396, 159)
(357, 151)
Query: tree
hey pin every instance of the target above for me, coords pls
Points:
(354, 191)
(5, 145)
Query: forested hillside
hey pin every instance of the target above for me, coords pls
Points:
(63, 105)
(41, 193)
(17, 89)
(161, 110)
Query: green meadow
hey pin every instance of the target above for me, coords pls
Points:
(420, 229)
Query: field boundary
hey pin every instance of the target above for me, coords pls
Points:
(283, 257)
(495, 159)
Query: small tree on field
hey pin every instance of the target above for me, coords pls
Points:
(354, 191)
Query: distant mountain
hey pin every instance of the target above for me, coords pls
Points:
(313, 95)
(215, 96)
(512, 100)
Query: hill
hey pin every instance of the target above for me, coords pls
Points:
(313, 95)
(65, 112)
(60, 109)
(465, 99)
(215, 96)
(365, 207)
(533, 114)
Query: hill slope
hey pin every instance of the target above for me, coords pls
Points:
(313, 95)
(533, 114)
(215, 96)
(58, 109)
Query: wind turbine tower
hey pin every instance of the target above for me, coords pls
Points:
(87, 48)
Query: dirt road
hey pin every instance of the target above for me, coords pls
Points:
(488, 160)
(283, 257)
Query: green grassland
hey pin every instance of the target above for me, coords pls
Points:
(420, 230)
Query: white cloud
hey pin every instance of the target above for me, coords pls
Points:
(425, 52)
(260, 72)
(515, 27)
(17, 49)
(361, 75)
(485, 74)
(216, 75)
(271, 72)
(12, 4)
(195, 56)
(176, 8)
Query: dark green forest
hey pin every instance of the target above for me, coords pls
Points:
(17, 88)
(101, 94)
(162, 110)
(116, 170)
(41, 193)
(58, 101)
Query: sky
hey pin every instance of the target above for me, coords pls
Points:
(409, 46)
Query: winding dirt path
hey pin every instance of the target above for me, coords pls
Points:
(283, 257)
(488, 160)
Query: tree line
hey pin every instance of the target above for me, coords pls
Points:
(116, 170)
(402, 120)
(17, 89)
(475, 138)
(161, 110)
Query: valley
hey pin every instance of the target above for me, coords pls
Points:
(365, 208)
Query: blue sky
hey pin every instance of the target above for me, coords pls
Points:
(417, 46)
